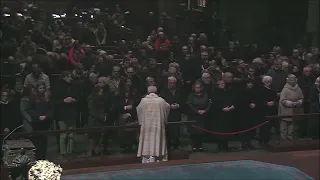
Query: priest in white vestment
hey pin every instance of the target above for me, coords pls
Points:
(152, 113)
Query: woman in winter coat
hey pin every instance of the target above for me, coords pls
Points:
(291, 98)
(199, 105)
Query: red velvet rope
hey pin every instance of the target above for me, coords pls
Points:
(230, 133)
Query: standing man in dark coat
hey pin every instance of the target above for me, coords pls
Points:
(173, 97)
(66, 113)
(224, 101)
(249, 114)
(305, 82)
(313, 123)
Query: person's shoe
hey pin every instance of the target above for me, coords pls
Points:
(200, 149)
(195, 150)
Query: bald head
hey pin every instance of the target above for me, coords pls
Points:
(152, 89)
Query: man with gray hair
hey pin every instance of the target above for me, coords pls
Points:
(152, 113)
(207, 83)
(172, 95)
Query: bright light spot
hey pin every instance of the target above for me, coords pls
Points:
(6, 15)
(55, 16)
(91, 16)
(76, 15)
(19, 14)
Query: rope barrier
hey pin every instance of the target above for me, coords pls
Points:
(230, 133)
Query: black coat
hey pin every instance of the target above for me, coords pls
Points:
(66, 112)
(170, 98)
(224, 121)
(313, 122)
(9, 116)
(37, 109)
(249, 117)
(306, 83)
(314, 100)
(195, 103)
(120, 102)
(267, 95)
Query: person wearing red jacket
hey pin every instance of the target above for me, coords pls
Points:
(162, 43)
(162, 46)
(75, 54)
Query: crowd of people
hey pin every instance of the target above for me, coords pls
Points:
(222, 90)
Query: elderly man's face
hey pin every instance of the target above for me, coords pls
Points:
(130, 72)
(204, 55)
(94, 79)
(184, 49)
(267, 83)
(228, 78)
(191, 41)
(129, 82)
(212, 63)
(251, 72)
(285, 67)
(307, 71)
(101, 82)
(4, 96)
(172, 71)
(295, 53)
(203, 48)
(206, 79)
(116, 72)
(277, 65)
(172, 84)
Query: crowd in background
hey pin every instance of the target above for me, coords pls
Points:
(222, 89)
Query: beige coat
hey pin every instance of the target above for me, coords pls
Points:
(152, 115)
(288, 96)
